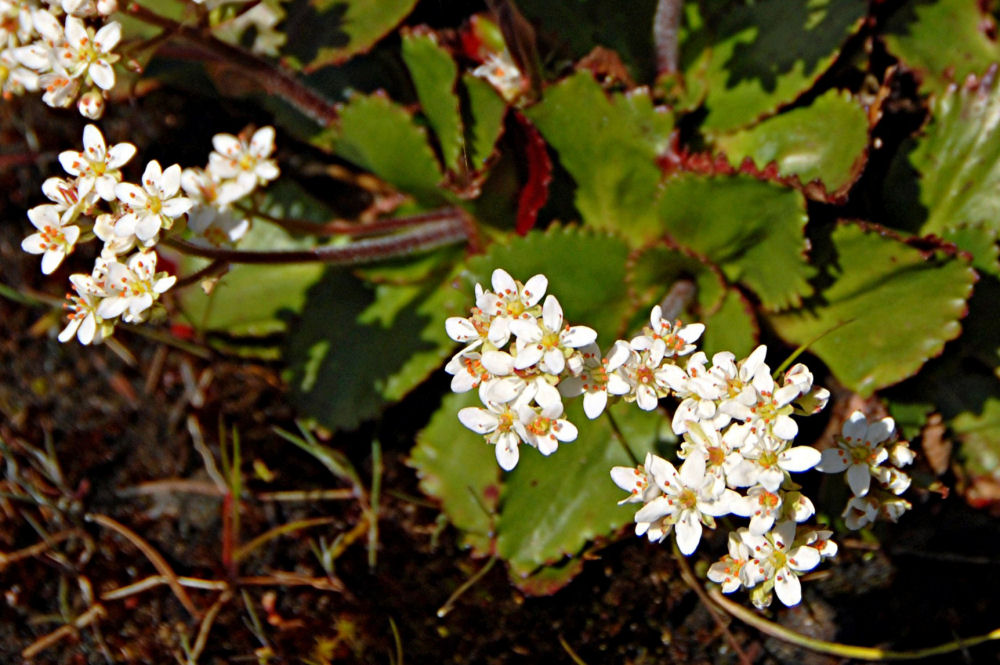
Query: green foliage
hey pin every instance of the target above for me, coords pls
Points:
(954, 166)
(751, 59)
(942, 41)
(799, 142)
(604, 143)
(434, 75)
(752, 230)
(381, 136)
(862, 323)
(328, 32)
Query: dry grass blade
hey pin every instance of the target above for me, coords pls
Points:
(154, 558)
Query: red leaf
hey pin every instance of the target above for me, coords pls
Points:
(536, 189)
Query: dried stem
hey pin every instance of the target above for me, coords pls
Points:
(835, 648)
(154, 557)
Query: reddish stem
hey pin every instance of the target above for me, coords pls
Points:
(273, 78)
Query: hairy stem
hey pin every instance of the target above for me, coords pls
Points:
(666, 25)
(275, 79)
(449, 227)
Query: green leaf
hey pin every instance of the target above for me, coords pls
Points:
(359, 347)
(328, 32)
(941, 40)
(799, 142)
(380, 136)
(434, 74)
(586, 272)
(752, 230)
(729, 321)
(552, 506)
(258, 299)
(955, 166)
(483, 117)
(886, 310)
(580, 25)
(755, 57)
(980, 437)
(607, 151)
(460, 471)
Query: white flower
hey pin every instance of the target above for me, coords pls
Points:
(96, 168)
(132, 288)
(508, 302)
(637, 481)
(690, 498)
(732, 571)
(779, 563)
(501, 72)
(543, 427)
(85, 54)
(548, 343)
(81, 310)
(768, 461)
(859, 451)
(241, 166)
(598, 378)
(664, 339)
(153, 206)
(53, 240)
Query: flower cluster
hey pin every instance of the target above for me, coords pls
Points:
(734, 419)
(861, 450)
(130, 219)
(522, 387)
(737, 446)
(64, 49)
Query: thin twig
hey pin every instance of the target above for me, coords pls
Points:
(688, 576)
(450, 603)
(154, 581)
(154, 557)
(46, 641)
(243, 550)
(38, 548)
(837, 649)
(206, 625)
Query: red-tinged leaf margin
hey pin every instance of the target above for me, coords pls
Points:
(535, 192)
(716, 163)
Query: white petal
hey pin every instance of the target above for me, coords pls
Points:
(654, 510)
(176, 206)
(803, 558)
(498, 363)
(855, 427)
(859, 478)
(529, 356)
(51, 261)
(552, 313)
(534, 289)
(507, 452)
(108, 37)
(692, 471)
(799, 458)
(688, 531)
(565, 431)
(554, 362)
(503, 283)
(460, 330)
(788, 587)
(478, 420)
(594, 403)
(833, 460)
(102, 74)
(646, 398)
(578, 336)
(120, 154)
(881, 430)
